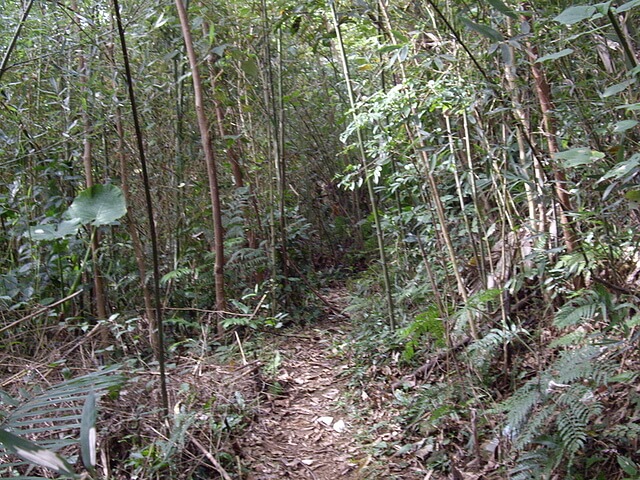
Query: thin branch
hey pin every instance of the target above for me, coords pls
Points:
(40, 312)
(149, 202)
(14, 40)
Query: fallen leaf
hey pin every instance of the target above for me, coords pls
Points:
(326, 421)
(331, 394)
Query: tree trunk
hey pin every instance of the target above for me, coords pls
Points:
(98, 281)
(210, 161)
(543, 92)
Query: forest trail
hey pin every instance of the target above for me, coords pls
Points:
(314, 423)
(304, 428)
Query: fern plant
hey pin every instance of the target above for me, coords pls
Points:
(595, 303)
(427, 323)
(549, 418)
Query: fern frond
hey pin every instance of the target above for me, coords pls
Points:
(58, 410)
(485, 347)
(531, 465)
(578, 407)
(576, 364)
(572, 431)
(533, 427)
(248, 259)
(521, 404)
(573, 313)
(177, 274)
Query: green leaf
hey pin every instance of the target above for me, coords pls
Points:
(578, 156)
(602, 8)
(624, 125)
(160, 21)
(631, 107)
(575, 14)
(632, 195)
(483, 30)
(624, 377)
(220, 49)
(617, 88)
(88, 432)
(553, 56)
(34, 454)
(389, 48)
(622, 169)
(249, 67)
(627, 6)
(628, 466)
(54, 232)
(98, 205)
(502, 8)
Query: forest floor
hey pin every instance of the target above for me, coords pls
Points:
(314, 423)
(304, 407)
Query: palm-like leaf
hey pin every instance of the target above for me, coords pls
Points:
(53, 417)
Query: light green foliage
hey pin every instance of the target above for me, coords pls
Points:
(426, 327)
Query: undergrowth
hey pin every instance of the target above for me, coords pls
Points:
(556, 399)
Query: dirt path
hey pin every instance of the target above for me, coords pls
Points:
(303, 430)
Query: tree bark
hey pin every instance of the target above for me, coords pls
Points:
(543, 92)
(99, 296)
(210, 161)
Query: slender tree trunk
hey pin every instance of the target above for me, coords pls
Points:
(533, 188)
(149, 203)
(543, 92)
(274, 165)
(12, 44)
(232, 151)
(210, 161)
(87, 160)
(179, 68)
(132, 228)
(281, 166)
(365, 167)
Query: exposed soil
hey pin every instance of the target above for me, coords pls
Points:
(303, 430)
(301, 417)
(313, 424)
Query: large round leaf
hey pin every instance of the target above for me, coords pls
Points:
(98, 205)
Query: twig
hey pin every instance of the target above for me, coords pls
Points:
(39, 312)
(244, 359)
(614, 287)
(210, 457)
